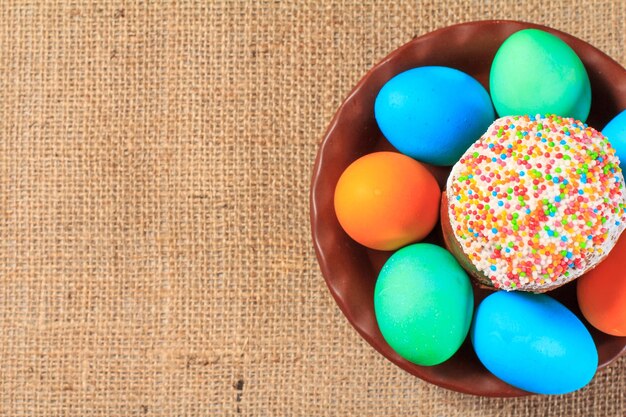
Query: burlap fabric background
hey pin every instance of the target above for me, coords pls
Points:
(155, 255)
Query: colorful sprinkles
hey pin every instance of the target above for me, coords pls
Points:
(537, 201)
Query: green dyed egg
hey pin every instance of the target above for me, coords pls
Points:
(423, 302)
(535, 72)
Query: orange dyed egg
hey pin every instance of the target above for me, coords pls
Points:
(602, 292)
(386, 200)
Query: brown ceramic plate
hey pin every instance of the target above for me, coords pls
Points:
(350, 270)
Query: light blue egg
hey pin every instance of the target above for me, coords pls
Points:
(433, 114)
(533, 342)
(615, 131)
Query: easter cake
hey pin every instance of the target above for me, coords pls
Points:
(534, 203)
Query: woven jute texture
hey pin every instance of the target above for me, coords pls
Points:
(155, 249)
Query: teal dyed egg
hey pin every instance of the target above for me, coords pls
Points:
(423, 302)
(535, 72)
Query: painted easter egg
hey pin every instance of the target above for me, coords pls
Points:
(533, 342)
(386, 200)
(433, 114)
(535, 72)
(602, 292)
(615, 131)
(423, 302)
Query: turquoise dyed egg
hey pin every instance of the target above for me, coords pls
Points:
(535, 72)
(615, 131)
(533, 342)
(433, 114)
(423, 302)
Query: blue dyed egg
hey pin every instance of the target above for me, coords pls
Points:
(433, 114)
(615, 131)
(533, 342)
